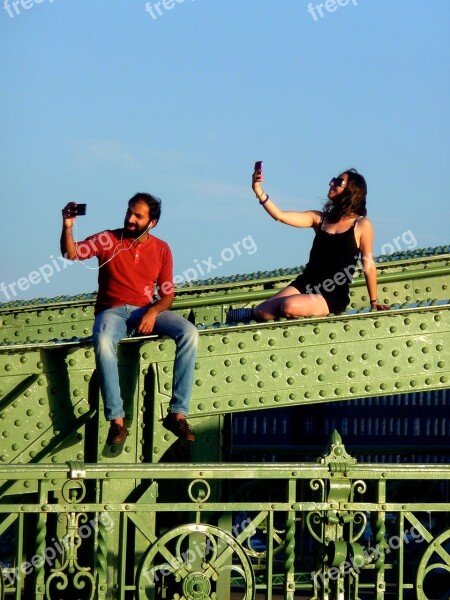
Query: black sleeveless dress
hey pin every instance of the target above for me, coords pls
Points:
(330, 268)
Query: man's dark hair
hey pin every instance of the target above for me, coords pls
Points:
(351, 201)
(153, 202)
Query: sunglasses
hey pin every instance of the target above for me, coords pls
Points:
(337, 182)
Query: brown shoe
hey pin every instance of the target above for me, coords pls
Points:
(179, 427)
(117, 433)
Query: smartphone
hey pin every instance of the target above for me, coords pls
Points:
(259, 165)
(80, 210)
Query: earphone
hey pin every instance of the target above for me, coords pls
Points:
(115, 253)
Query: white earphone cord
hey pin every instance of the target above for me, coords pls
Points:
(114, 253)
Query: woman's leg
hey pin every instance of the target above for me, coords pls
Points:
(291, 303)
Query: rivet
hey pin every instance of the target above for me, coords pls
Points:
(241, 345)
(227, 362)
(243, 361)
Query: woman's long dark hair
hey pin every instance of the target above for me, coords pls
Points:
(351, 201)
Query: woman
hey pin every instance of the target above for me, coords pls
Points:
(343, 233)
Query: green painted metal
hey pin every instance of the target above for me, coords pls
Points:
(58, 477)
(50, 406)
(401, 281)
(104, 537)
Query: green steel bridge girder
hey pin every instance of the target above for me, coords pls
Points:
(51, 410)
(400, 282)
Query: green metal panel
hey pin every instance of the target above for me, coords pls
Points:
(51, 416)
(401, 281)
(361, 525)
(52, 387)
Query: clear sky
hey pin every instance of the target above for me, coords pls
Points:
(104, 98)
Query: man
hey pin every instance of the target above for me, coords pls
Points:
(135, 294)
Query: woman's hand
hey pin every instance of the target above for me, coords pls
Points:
(257, 179)
(379, 306)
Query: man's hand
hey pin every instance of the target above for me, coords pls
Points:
(69, 215)
(147, 322)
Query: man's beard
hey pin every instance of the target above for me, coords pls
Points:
(134, 231)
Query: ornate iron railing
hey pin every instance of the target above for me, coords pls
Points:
(334, 529)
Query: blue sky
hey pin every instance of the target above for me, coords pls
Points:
(103, 99)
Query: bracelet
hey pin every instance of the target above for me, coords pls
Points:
(373, 301)
(262, 202)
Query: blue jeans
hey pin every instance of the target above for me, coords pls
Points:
(113, 324)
